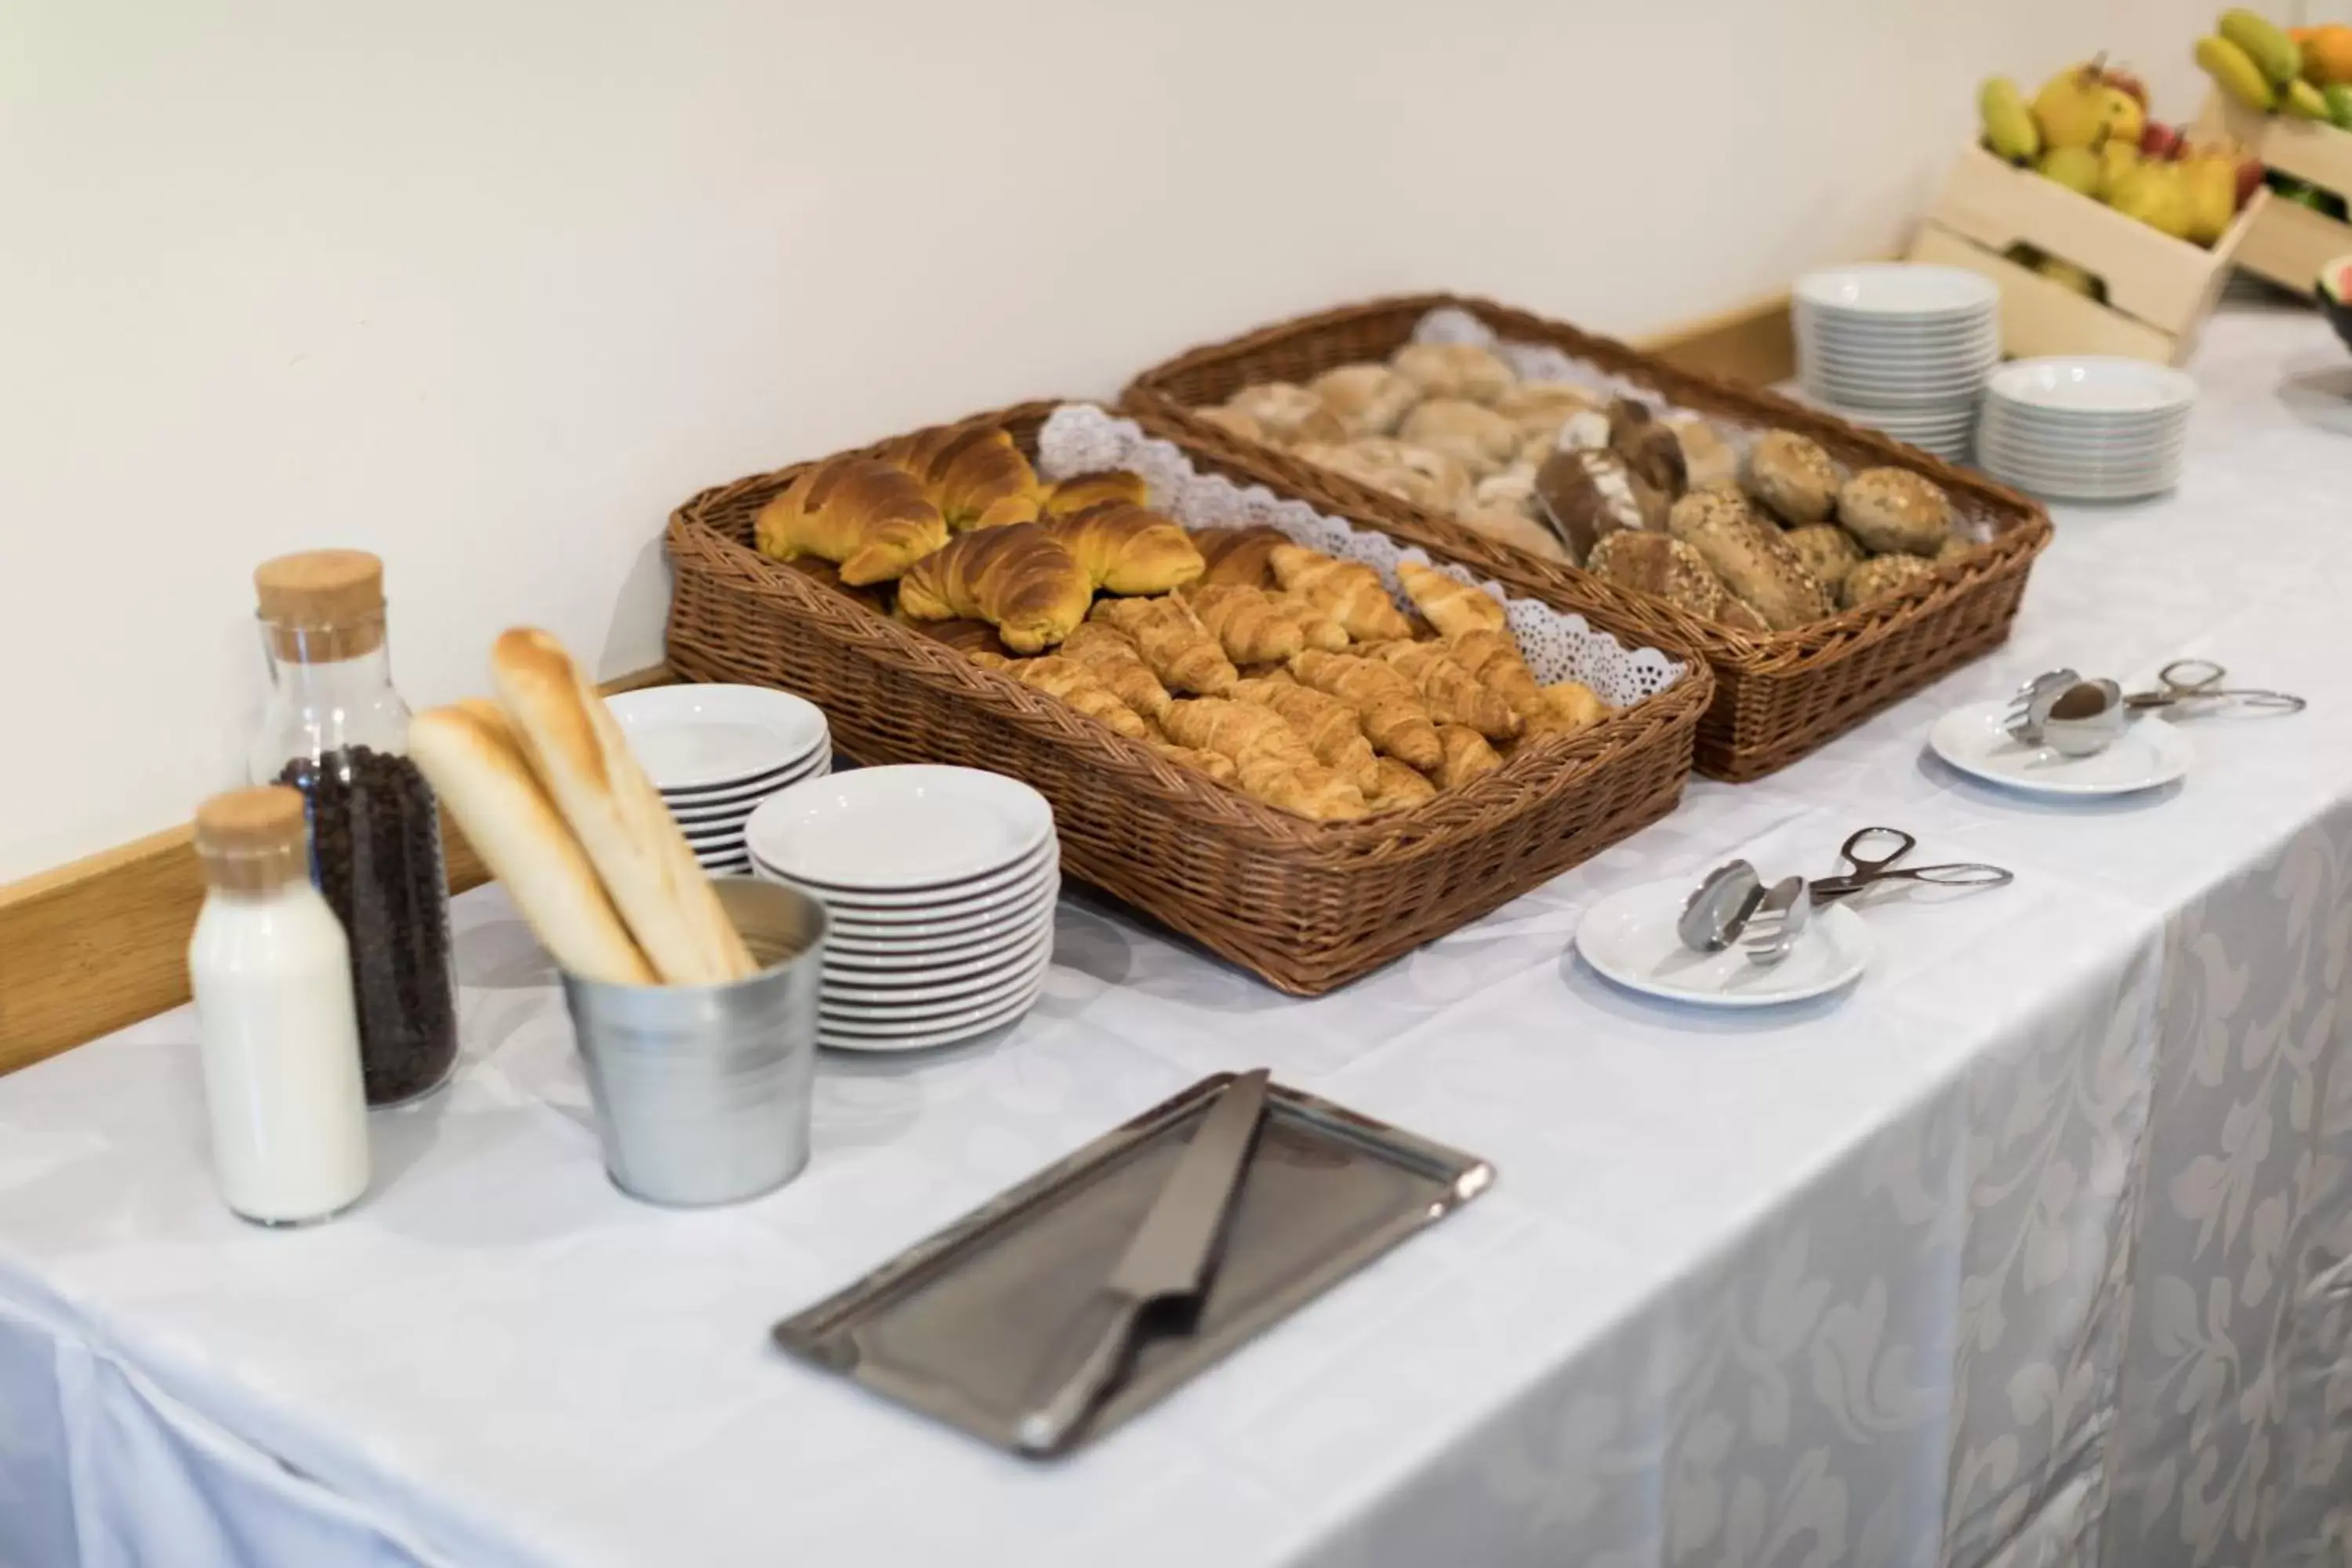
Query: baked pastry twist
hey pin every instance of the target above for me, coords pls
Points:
(1454, 695)
(1248, 623)
(1351, 591)
(1173, 641)
(865, 517)
(1450, 607)
(1017, 578)
(1112, 655)
(1074, 684)
(1128, 549)
(1392, 713)
(1328, 725)
(972, 473)
(1272, 762)
(1493, 658)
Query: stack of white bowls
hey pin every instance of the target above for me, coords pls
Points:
(1900, 348)
(2092, 428)
(715, 752)
(939, 883)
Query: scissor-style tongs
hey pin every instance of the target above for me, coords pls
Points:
(1868, 870)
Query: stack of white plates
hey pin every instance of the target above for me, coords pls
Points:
(715, 752)
(2087, 428)
(1900, 348)
(940, 884)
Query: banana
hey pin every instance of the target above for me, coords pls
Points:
(2235, 71)
(2303, 100)
(2008, 125)
(2279, 57)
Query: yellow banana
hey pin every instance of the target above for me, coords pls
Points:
(2235, 71)
(2303, 100)
(2279, 57)
(2008, 125)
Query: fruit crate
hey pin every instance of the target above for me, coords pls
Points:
(2159, 289)
(2288, 242)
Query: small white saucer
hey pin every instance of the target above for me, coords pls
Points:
(2151, 754)
(1628, 938)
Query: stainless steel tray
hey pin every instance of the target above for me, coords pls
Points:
(960, 1326)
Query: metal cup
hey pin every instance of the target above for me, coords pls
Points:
(702, 1092)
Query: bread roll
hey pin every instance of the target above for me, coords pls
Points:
(1286, 412)
(582, 757)
(1752, 557)
(1828, 548)
(1476, 437)
(1657, 563)
(1505, 525)
(1882, 575)
(1793, 477)
(1454, 370)
(469, 755)
(1367, 399)
(1707, 458)
(1897, 511)
(1541, 407)
(1650, 449)
(1589, 495)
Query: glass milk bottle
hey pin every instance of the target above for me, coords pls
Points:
(271, 974)
(336, 730)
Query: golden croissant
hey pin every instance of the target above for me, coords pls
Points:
(1274, 763)
(1239, 554)
(1328, 725)
(1454, 695)
(1074, 495)
(1394, 715)
(1248, 622)
(1350, 590)
(1016, 578)
(1173, 641)
(1128, 549)
(1074, 684)
(1493, 658)
(972, 473)
(1467, 755)
(864, 516)
(1396, 786)
(1112, 655)
(1452, 607)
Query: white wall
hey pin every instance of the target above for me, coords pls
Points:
(487, 286)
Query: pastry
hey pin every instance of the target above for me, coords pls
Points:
(1316, 627)
(1239, 554)
(1651, 450)
(1233, 423)
(1216, 764)
(1541, 407)
(1506, 525)
(1246, 624)
(1288, 412)
(1661, 565)
(1588, 495)
(470, 756)
(818, 570)
(1473, 434)
(1083, 490)
(1513, 487)
(1394, 717)
(1367, 399)
(1708, 460)
(1493, 656)
(1426, 479)
(1793, 477)
(1454, 370)
(579, 753)
(1883, 574)
(1895, 510)
(1396, 787)
(1173, 641)
(1752, 558)
(974, 474)
(1349, 590)
(1571, 708)
(1129, 549)
(1272, 761)
(1329, 726)
(1075, 683)
(1465, 756)
(963, 635)
(865, 517)
(1450, 607)
(1454, 695)
(1828, 548)
(1112, 655)
(1018, 578)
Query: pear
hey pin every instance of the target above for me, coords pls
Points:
(2076, 168)
(2211, 182)
(2121, 116)
(2117, 160)
(2157, 195)
(2072, 107)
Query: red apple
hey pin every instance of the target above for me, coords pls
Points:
(2249, 179)
(2125, 83)
(2161, 142)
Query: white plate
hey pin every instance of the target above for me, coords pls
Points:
(925, 993)
(895, 828)
(2150, 755)
(744, 799)
(1893, 420)
(2099, 456)
(2078, 470)
(959, 925)
(696, 737)
(1628, 938)
(1897, 289)
(1004, 879)
(2029, 433)
(855, 972)
(2094, 384)
(936, 1006)
(1876, 352)
(837, 1039)
(870, 961)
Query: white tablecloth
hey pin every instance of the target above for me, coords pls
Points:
(2031, 1248)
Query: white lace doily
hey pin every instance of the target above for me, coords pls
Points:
(1559, 644)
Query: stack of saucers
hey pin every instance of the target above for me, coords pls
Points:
(2087, 428)
(939, 883)
(715, 752)
(1900, 348)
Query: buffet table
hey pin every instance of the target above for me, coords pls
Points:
(2036, 1246)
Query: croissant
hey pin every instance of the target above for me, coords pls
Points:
(1493, 658)
(1016, 577)
(1396, 786)
(1247, 622)
(818, 570)
(1467, 755)
(1329, 726)
(1128, 549)
(1173, 641)
(1570, 708)
(1453, 694)
(1350, 590)
(1450, 607)
(1112, 655)
(1074, 495)
(864, 516)
(1390, 710)
(1216, 764)
(1272, 762)
(972, 473)
(1239, 554)
(1074, 684)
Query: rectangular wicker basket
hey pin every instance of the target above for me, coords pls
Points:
(1308, 906)
(1778, 696)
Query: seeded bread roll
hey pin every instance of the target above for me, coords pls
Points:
(1591, 495)
(1882, 575)
(1474, 436)
(1828, 548)
(1658, 563)
(1896, 510)
(1793, 477)
(1959, 544)
(1752, 558)
(1454, 370)
(1367, 399)
(1736, 614)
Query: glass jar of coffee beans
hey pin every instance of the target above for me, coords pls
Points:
(336, 730)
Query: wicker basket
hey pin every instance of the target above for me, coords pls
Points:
(1778, 696)
(1308, 906)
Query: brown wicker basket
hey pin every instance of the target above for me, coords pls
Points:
(1778, 696)
(1308, 906)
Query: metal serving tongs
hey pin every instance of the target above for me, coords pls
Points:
(1866, 869)
(1734, 905)
(2079, 717)
(2199, 680)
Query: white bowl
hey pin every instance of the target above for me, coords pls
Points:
(895, 829)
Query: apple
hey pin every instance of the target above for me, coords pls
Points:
(2249, 179)
(2161, 141)
(2125, 83)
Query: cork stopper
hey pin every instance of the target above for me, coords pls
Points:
(320, 606)
(251, 840)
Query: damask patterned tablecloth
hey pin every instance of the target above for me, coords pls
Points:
(2033, 1248)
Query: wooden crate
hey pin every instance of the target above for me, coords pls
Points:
(2288, 243)
(2159, 289)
